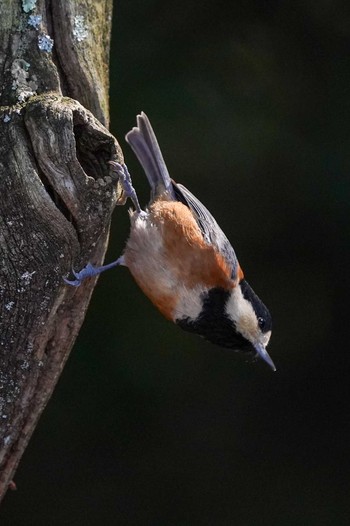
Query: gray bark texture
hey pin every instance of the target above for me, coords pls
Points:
(56, 196)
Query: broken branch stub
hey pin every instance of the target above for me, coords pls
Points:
(56, 198)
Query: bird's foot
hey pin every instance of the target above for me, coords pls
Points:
(125, 180)
(90, 271)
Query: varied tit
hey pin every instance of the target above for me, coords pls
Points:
(183, 262)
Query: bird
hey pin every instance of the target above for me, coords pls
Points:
(182, 261)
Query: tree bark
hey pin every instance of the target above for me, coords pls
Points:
(56, 196)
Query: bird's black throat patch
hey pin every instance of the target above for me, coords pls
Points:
(214, 324)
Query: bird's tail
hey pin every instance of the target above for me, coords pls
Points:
(143, 141)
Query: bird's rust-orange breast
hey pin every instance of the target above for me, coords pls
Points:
(192, 260)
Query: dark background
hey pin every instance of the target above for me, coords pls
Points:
(150, 425)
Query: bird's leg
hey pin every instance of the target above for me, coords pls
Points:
(90, 271)
(125, 180)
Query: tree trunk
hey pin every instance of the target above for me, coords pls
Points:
(56, 196)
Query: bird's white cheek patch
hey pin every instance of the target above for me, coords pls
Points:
(247, 326)
(265, 338)
(241, 312)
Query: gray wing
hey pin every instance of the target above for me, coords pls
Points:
(211, 231)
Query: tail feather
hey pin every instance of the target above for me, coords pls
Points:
(144, 143)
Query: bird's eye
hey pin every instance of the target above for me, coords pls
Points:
(261, 323)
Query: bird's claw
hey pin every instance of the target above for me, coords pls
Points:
(126, 183)
(72, 282)
(87, 272)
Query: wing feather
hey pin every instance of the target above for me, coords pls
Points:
(210, 229)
